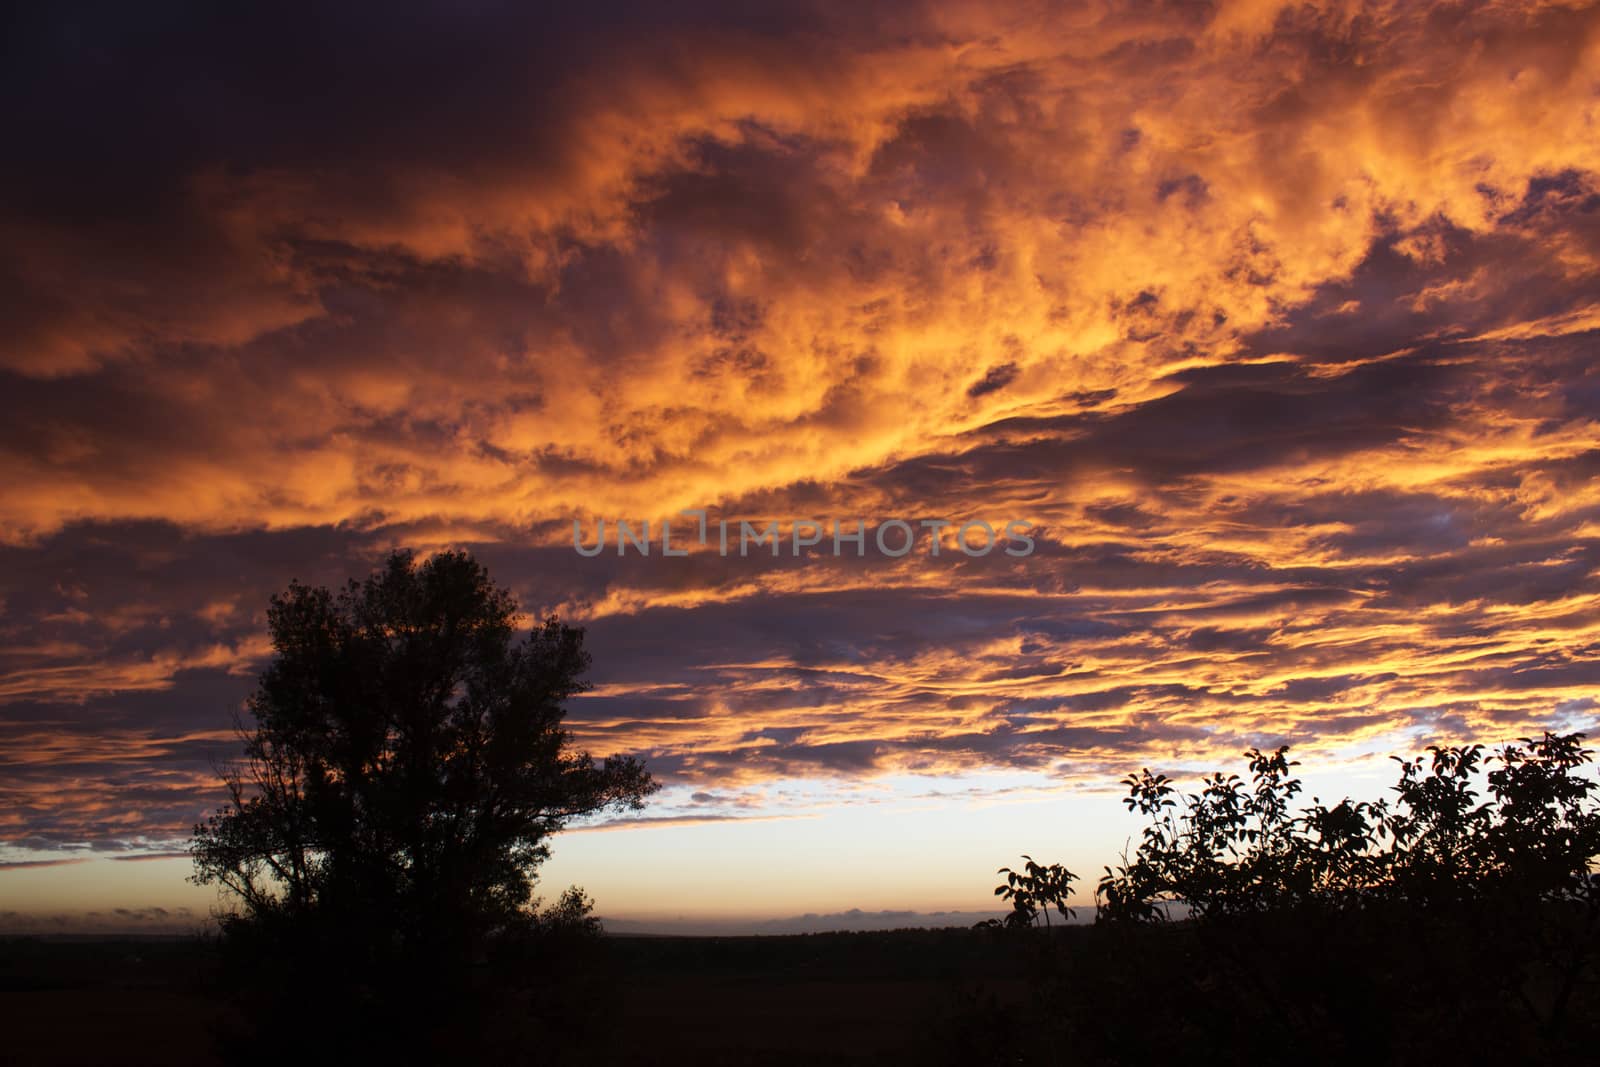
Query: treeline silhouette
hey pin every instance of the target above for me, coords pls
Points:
(1454, 922)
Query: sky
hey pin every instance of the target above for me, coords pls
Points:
(1274, 323)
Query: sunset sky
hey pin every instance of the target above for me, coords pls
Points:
(1279, 323)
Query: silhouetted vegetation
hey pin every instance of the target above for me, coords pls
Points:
(1033, 891)
(1441, 925)
(404, 772)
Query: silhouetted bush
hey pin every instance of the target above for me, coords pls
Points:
(1440, 926)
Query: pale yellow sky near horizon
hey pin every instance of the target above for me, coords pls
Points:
(909, 853)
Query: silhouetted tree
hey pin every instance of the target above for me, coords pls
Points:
(404, 771)
(1387, 930)
(1230, 849)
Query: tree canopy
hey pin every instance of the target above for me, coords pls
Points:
(404, 769)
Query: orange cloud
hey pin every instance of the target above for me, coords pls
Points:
(1274, 319)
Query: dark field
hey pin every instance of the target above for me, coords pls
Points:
(817, 998)
(1375, 989)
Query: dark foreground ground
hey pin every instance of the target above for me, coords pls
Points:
(1382, 987)
(808, 999)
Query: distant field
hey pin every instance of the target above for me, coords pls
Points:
(803, 999)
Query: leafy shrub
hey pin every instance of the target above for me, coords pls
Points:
(1457, 919)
